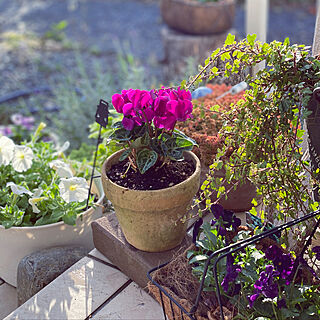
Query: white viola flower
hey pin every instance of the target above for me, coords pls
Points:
(19, 190)
(73, 189)
(62, 168)
(35, 199)
(22, 158)
(6, 150)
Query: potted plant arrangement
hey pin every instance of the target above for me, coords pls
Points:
(43, 201)
(262, 281)
(268, 150)
(152, 181)
(203, 127)
(199, 17)
(262, 139)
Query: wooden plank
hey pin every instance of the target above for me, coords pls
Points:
(75, 294)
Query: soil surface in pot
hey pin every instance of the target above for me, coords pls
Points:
(155, 178)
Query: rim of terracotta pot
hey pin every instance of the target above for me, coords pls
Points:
(195, 3)
(99, 202)
(196, 170)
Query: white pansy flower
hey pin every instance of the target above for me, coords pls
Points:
(62, 168)
(6, 150)
(19, 190)
(73, 189)
(22, 158)
(35, 199)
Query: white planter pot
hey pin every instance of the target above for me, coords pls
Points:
(17, 242)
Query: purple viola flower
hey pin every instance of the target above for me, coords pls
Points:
(252, 298)
(228, 217)
(316, 250)
(231, 275)
(282, 262)
(265, 285)
(5, 131)
(20, 120)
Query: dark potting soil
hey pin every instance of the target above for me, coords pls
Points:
(155, 178)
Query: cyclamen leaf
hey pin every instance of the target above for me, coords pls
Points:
(125, 155)
(146, 158)
(121, 135)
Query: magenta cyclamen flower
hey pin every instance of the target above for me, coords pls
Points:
(136, 106)
(163, 107)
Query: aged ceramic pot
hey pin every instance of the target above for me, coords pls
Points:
(194, 17)
(151, 220)
(17, 242)
(238, 200)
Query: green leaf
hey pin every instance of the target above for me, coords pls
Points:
(146, 158)
(230, 39)
(121, 135)
(125, 154)
(286, 41)
(251, 39)
(214, 53)
(70, 218)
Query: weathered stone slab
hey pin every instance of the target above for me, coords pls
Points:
(110, 241)
(38, 269)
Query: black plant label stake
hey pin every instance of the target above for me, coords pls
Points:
(101, 116)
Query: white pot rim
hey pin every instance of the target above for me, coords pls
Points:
(30, 228)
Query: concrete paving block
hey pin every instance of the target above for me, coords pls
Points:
(132, 303)
(75, 294)
(8, 299)
(110, 241)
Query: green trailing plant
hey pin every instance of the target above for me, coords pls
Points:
(262, 134)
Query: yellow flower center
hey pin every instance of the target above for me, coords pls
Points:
(73, 187)
(21, 156)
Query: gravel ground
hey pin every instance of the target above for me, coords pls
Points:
(96, 29)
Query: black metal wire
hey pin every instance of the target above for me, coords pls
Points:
(162, 304)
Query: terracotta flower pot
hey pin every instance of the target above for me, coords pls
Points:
(238, 200)
(196, 17)
(151, 220)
